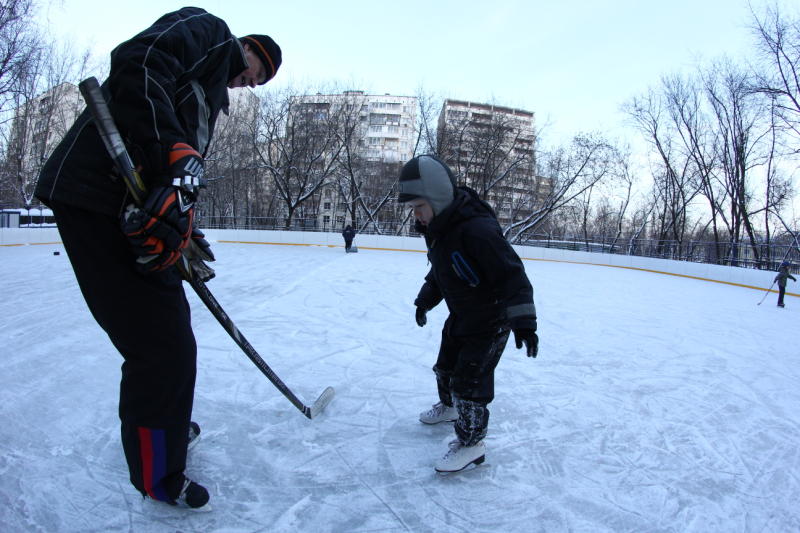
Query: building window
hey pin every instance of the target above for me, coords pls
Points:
(326, 206)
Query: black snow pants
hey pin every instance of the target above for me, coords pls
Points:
(148, 320)
(781, 293)
(465, 378)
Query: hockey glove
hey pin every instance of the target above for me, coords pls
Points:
(421, 317)
(186, 168)
(203, 248)
(160, 229)
(529, 338)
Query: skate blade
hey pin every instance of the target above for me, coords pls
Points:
(204, 509)
(438, 422)
(475, 462)
(165, 509)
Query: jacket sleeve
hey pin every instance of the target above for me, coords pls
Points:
(502, 269)
(429, 295)
(149, 70)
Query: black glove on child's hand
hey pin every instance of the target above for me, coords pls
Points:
(160, 229)
(421, 317)
(529, 338)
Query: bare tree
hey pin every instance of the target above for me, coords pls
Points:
(19, 45)
(778, 189)
(740, 134)
(778, 40)
(349, 173)
(368, 185)
(626, 179)
(694, 129)
(491, 149)
(778, 77)
(566, 173)
(608, 213)
(297, 143)
(427, 133)
(674, 178)
(485, 149)
(238, 190)
(45, 102)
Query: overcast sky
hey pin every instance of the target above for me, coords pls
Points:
(572, 62)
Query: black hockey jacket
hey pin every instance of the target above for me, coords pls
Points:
(166, 85)
(475, 270)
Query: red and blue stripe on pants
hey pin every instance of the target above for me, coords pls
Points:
(153, 446)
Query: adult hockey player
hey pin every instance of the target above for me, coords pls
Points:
(483, 283)
(166, 88)
(783, 275)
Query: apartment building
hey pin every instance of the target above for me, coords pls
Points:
(37, 126)
(384, 130)
(492, 149)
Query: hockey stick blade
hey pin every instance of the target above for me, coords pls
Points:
(318, 406)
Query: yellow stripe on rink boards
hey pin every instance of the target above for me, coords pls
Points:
(659, 272)
(532, 259)
(423, 251)
(33, 244)
(321, 245)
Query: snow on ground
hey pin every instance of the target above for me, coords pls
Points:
(657, 403)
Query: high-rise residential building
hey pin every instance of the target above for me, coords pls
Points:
(492, 149)
(37, 126)
(381, 135)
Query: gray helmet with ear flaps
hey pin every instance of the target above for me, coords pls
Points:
(428, 177)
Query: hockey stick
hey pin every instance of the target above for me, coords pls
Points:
(766, 294)
(190, 265)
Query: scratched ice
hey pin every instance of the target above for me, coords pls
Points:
(657, 403)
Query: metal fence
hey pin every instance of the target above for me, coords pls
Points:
(739, 254)
(296, 224)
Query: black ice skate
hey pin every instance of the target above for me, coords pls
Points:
(194, 435)
(192, 495)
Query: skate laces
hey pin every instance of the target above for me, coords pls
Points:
(438, 409)
(453, 447)
(182, 493)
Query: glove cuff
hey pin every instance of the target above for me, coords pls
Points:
(186, 168)
(523, 323)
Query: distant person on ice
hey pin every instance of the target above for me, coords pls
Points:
(783, 274)
(166, 88)
(483, 282)
(349, 234)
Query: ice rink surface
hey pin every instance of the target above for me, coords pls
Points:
(657, 403)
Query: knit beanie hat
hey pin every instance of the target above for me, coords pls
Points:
(426, 176)
(266, 50)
